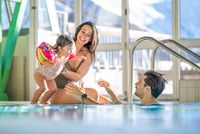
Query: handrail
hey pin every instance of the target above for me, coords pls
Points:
(166, 48)
(177, 45)
(153, 58)
(181, 46)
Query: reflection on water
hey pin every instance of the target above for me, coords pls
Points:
(164, 115)
(52, 112)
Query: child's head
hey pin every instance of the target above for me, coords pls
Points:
(63, 45)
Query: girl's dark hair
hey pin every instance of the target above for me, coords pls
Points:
(92, 45)
(156, 81)
(62, 41)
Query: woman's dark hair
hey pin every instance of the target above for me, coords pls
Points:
(62, 41)
(92, 45)
(156, 81)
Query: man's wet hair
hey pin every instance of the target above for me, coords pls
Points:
(156, 81)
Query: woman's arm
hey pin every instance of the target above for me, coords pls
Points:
(109, 90)
(78, 92)
(82, 70)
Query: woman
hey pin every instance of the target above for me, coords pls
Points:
(86, 41)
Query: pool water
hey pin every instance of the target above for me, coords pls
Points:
(166, 117)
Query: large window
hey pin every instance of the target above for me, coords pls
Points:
(44, 21)
(190, 21)
(65, 14)
(7, 12)
(5, 20)
(108, 20)
(150, 18)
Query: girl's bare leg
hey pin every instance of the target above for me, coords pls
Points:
(51, 84)
(40, 82)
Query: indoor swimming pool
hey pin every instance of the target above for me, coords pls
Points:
(166, 117)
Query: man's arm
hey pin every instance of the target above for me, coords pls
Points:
(109, 90)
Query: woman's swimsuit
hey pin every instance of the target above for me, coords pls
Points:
(61, 80)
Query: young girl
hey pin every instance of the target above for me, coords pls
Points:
(52, 60)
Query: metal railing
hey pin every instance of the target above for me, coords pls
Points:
(161, 44)
(181, 46)
(177, 45)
